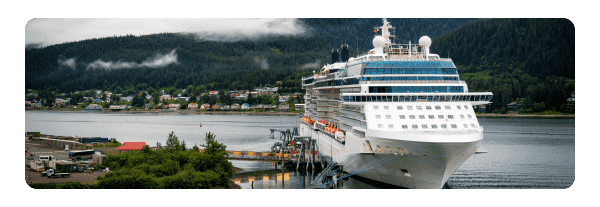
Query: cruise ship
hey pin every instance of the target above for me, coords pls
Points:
(398, 114)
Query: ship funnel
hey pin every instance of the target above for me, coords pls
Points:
(345, 53)
(335, 57)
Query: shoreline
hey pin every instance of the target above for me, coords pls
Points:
(525, 116)
(188, 111)
(167, 111)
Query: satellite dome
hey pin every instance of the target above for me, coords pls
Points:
(379, 41)
(425, 41)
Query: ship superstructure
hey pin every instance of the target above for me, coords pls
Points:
(398, 99)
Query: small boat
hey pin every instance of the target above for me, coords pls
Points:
(200, 124)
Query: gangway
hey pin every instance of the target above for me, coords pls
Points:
(366, 167)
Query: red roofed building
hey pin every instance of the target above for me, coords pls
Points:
(131, 146)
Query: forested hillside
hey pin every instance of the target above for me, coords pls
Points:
(532, 59)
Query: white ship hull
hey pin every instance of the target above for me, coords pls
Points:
(429, 163)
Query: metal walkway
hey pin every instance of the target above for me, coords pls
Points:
(366, 167)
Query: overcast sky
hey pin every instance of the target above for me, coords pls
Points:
(56, 31)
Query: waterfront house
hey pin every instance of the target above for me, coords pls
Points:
(299, 107)
(165, 106)
(165, 97)
(242, 96)
(245, 106)
(217, 106)
(235, 106)
(192, 106)
(514, 106)
(283, 98)
(205, 106)
(147, 106)
(174, 106)
(225, 107)
(213, 93)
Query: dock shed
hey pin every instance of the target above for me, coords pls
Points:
(127, 146)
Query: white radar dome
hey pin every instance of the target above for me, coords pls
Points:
(379, 41)
(425, 41)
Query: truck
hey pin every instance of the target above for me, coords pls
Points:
(51, 174)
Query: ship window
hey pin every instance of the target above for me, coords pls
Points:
(434, 126)
(415, 126)
(419, 108)
(412, 116)
(450, 116)
(453, 126)
(428, 107)
(421, 116)
(424, 126)
(378, 116)
(472, 125)
(447, 107)
(431, 117)
(388, 116)
(375, 107)
(391, 126)
(440, 116)
(462, 116)
(380, 125)
(443, 126)
(402, 117)
(399, 107)
(466, 107)
(438, 107)
(386, 107)
(465, 126)
(458, 107)
(404, 126)
(469, 115)
(409, 107)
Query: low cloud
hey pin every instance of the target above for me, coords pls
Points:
(261, 62)
(67, 62)
(316, 64)
(158, 60)
(45, 32)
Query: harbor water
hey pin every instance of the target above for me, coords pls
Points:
(521, 152)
